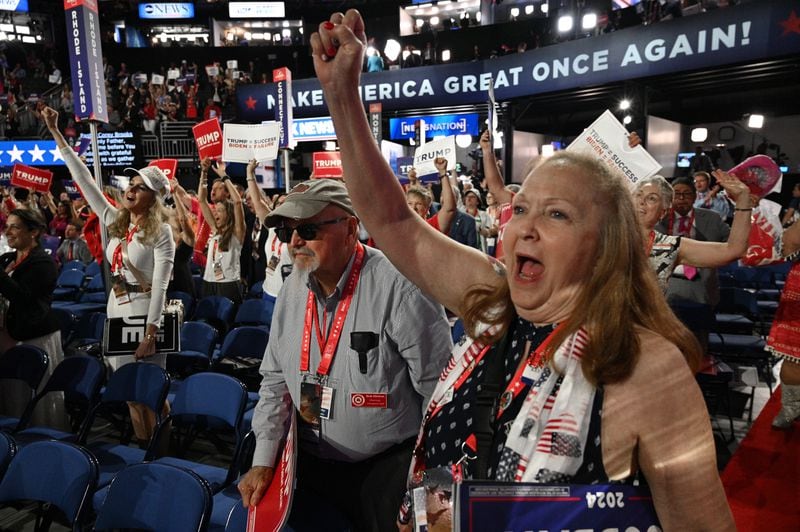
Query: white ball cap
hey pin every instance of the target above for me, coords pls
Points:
(153, 178)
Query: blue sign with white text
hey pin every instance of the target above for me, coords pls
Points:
(519, 507)
(313, 129)
(166, 10)
(86, 60)
(435, 126)
(748, 32)
(20, 6)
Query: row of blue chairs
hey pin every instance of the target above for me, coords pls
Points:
(145, 496)
(208, 403)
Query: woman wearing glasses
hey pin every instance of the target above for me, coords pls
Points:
(223, 273)
(652, 198)
(140, 250)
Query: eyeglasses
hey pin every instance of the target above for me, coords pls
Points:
(650, 199)
(684, 195)
(304, 231)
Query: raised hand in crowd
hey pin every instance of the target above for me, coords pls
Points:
(447, 212)
(494, 181)
(257, 199)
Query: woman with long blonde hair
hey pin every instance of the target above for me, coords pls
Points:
(140, 251)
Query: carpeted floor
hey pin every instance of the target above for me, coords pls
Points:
(762, 479)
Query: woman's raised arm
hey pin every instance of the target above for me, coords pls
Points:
(440, 266)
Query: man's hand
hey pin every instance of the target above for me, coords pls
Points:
(254, 484)
(205, 164)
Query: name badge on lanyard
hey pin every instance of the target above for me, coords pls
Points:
(120, 289)
(316, 396)
(219, 273)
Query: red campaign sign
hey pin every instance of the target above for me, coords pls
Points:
(327, 164)
(272, 511)
(168, 166)
(208, 136)
(91, 4)
(31, 178)
(281, 74)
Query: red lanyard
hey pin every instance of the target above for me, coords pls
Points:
(116, 261)
(328, 347)
(214, 251)
(280, 244)
(516, 385)
(671, 223)
(650, 242)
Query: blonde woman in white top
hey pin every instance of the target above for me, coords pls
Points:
(140, 250)
(223, 273)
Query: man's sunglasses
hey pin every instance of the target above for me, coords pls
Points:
(304, 231)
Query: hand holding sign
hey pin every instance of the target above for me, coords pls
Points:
(208, 136)
(31, 178)
(425, 156)
(734, 187)
(608, 140)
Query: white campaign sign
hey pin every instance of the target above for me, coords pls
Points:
(607, 139)
(157, 79)
(425, 155)
(173, 73)
(242, 142)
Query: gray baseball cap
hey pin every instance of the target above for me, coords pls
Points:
(309, 198)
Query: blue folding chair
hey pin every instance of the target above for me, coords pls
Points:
(54, 473)
(197, 343)
(254, 312)
(146, 384)
(8, 448)
(79, 378)
(156, 497)
(188, 301)
(244, 346)
(93, 269)
(73, 265)
(217, 311)
(208, 403)
(26, 363)
(69, 284)
(66, 323)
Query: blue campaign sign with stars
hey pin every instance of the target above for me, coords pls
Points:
(30, 152)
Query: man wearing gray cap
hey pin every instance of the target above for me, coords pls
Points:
(357, 350)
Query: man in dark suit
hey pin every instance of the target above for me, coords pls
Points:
(696, 285)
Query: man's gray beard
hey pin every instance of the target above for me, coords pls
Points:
(307, 268)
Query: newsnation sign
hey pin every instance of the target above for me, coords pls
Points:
(745, 33)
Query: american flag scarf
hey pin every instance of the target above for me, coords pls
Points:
(547, 438)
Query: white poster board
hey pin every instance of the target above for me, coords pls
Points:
(173, 73)
(157, 79)
(242, 142)
(607, 139)
(425, 155)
